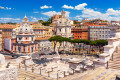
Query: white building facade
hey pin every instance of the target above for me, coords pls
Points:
(25, 39)
(98, 32)
(63, 28)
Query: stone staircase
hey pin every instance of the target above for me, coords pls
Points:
(115, 64)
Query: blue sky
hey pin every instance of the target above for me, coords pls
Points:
(14, 10)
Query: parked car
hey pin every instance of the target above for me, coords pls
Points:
(42, 53)
(49, 53)
(16, 55)
(52, 53)
(61, 52)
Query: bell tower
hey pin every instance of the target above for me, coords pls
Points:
(63, 13)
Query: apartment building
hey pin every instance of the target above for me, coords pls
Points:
(96, 32)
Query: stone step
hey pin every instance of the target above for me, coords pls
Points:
(117, 68)
(116, 56)
(114, 61)
(114, 66)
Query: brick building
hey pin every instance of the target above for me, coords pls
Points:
(80, 33)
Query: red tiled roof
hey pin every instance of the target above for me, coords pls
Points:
(7, 26)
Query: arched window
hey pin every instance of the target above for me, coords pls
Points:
(20, 38)
(32, 38)
(60, 30)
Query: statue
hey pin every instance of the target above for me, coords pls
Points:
(8, 64)
(2, 59)
(56, 50)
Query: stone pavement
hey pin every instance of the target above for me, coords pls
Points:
(26, 75)
(97, 74)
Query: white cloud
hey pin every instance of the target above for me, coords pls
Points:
(2, 7)
(35, 12)
(43, 18)
(45, 7)
(9, 19)
(81, 6)
(6, 8)
(34, 19)
(109, 15)
(111, 11)
(78, 7)
(67, 7)
(51, 13)
(95, 8)
(77, 17)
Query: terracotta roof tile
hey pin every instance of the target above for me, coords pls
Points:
(7, 26)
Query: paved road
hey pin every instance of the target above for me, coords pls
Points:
(26, 75)
(38, 59)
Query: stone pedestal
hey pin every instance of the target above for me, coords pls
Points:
(27, 60)
(10, 73)
(73, 63)
(56, 59)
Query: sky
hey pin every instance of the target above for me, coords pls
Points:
(15, 10)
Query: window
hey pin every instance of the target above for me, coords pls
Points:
(26, 38)
(20, 38)
(60, 30)
(32, 38)
(20, 29)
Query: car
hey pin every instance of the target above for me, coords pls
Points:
(54, 53)
(49, 53)
(5, 53)
(16, 55)
(42, 53)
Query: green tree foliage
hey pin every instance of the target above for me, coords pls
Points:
(75, 22)
(59, 39)
(10, 23)
(40, 21)
(55, 40)
(46, 23)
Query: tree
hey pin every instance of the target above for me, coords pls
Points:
(46, 23)
(99, 43)
(55, 40)
(73, 42)
(50, 20)
(60, 40)
(75, 22)
(40, 21)
(65, 40)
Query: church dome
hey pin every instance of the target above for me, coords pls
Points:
(25, 28)
(25, 19)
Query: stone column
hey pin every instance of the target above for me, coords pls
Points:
(112, 57)
(107, 65)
